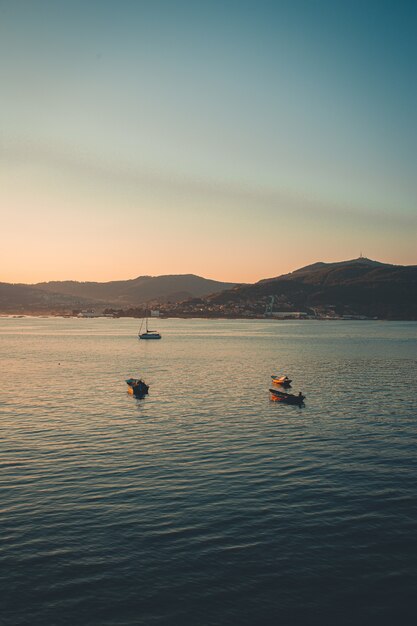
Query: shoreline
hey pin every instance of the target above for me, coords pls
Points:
(208, 317)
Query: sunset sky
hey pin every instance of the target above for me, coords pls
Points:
(235, 140)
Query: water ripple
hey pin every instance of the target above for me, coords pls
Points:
(206, 503)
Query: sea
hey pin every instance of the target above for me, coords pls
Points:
(206, 504)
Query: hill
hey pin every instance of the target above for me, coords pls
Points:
(359, 287)
(28, 299)
(139, 290)
(120, 294)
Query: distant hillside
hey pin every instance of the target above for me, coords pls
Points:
(320, 273)
(360, 286)
(139, 290)
(28, 299)
(123, 294)
(356, 287)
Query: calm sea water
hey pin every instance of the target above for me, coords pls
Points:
(205, 503)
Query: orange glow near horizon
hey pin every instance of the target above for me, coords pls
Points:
(69, 233)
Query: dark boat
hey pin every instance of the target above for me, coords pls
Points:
(137, 387)
(288, 398)
(282, 381)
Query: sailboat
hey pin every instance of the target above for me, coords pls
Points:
(148, 334)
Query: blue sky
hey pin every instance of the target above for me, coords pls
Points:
(205, 137)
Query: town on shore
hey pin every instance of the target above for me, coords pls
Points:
(195, 310)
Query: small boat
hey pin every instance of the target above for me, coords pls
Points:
(284, 381)
(288, 398)
(148, 334)
(137, 387)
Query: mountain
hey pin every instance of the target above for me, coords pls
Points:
(359, 286)
(123, 293)
(29, 299)
(356, 287)
(139, 290)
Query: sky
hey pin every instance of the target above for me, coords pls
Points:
(236, 140)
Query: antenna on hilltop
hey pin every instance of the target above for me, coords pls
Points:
(361, 255)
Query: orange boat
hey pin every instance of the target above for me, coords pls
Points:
(284, 381)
